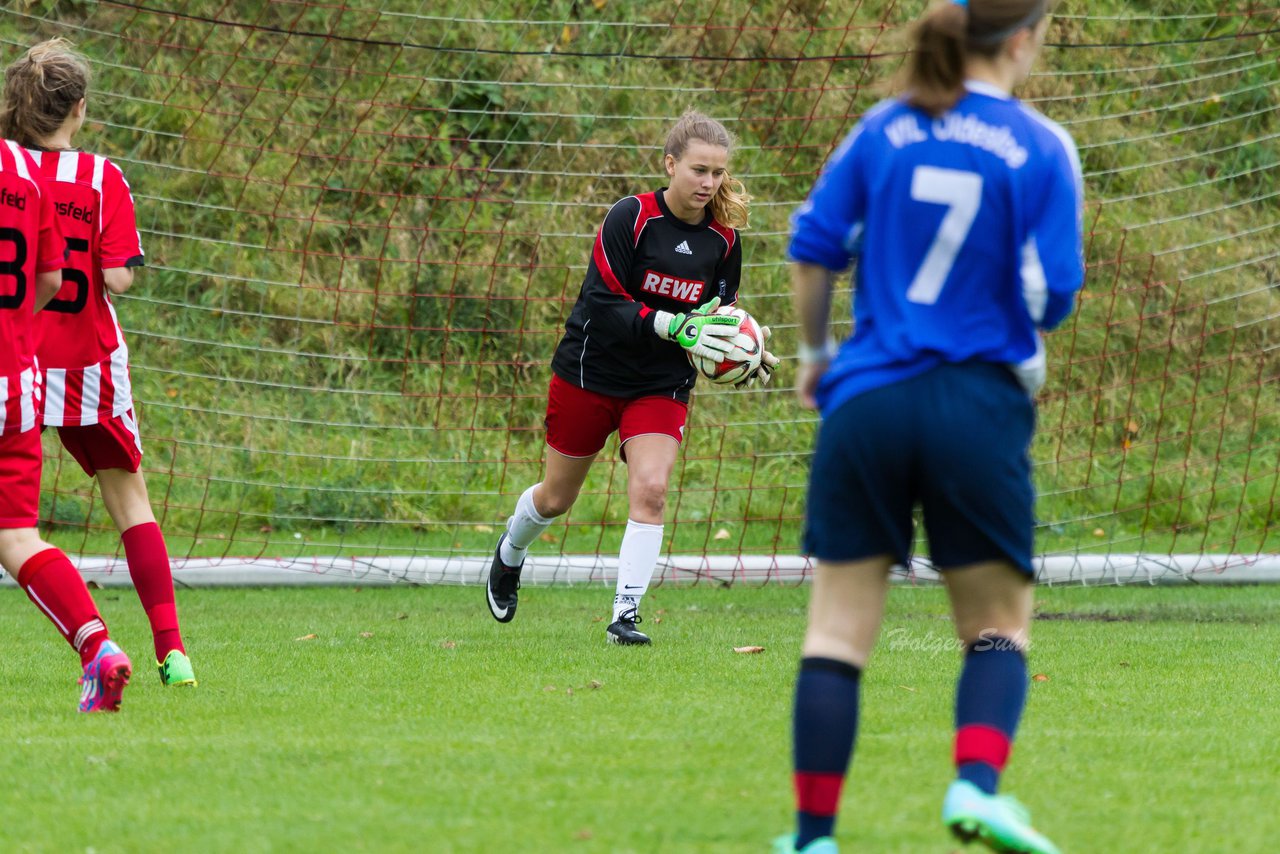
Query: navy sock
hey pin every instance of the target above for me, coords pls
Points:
(989, 700)
(823, 729)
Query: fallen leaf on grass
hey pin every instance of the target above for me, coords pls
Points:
(1040, 677)
(548, 537)
(549, 688)
(595, 684)
(722, 534)
(597, 619)
(366, 634)
(748, 650)
(402, 616)
(569, 691)
(907, 688)
(449, 644)
(307, 637)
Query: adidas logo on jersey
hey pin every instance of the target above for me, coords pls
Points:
(683, 248)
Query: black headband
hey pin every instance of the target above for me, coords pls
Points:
(1040, 10)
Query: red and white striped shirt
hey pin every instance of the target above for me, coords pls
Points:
(30, 244)
(82, 350)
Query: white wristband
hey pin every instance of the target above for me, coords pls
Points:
(662, 324)
(810, 355)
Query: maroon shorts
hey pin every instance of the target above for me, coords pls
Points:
(579, 421)
(113, 444)
(20, 479)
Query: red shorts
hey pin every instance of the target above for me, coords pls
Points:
(20, 479)
(113, 444)
(579, 421)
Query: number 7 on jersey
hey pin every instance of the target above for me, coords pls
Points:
(961, 192)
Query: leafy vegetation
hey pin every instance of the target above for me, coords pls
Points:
(366, 224)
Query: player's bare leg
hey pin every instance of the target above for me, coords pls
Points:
(124, 493)
(992, 603)
(561, 484)
(650, 459)
(846, 606)
(537, 507)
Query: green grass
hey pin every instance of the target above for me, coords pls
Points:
(441, 730)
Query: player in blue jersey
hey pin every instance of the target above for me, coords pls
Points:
(960, 210)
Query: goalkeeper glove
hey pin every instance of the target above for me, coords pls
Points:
(768, 364)
(701, 331)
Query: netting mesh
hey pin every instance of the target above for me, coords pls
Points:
(366, 223)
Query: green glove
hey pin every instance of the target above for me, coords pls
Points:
(701, 332)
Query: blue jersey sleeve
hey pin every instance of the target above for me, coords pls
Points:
(826, 228)
(1053, 258)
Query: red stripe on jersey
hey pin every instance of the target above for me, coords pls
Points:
(730, 236)
(648, 210)
(73, 396)
(106, 391)
(602, 264)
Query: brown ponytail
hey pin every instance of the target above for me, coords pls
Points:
(951, 32)
(729, 204)
(40, 91)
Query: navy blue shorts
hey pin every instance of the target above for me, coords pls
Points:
(954, 440)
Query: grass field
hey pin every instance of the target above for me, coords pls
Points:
(410, 721)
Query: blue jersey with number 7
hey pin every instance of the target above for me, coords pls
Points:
(967, 233)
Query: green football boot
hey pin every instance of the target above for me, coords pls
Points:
(821, 845)
(997, 821)
(176, 670)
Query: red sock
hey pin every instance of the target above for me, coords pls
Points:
(148, 560)
(52, 582)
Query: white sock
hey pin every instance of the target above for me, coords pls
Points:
(641, 545)
(523, 528)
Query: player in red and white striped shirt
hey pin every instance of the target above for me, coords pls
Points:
(32, 251)
(83, 356)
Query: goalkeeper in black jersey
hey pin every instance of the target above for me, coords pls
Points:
(661, 264)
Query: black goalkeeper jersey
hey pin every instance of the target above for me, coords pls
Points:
(644, 259)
